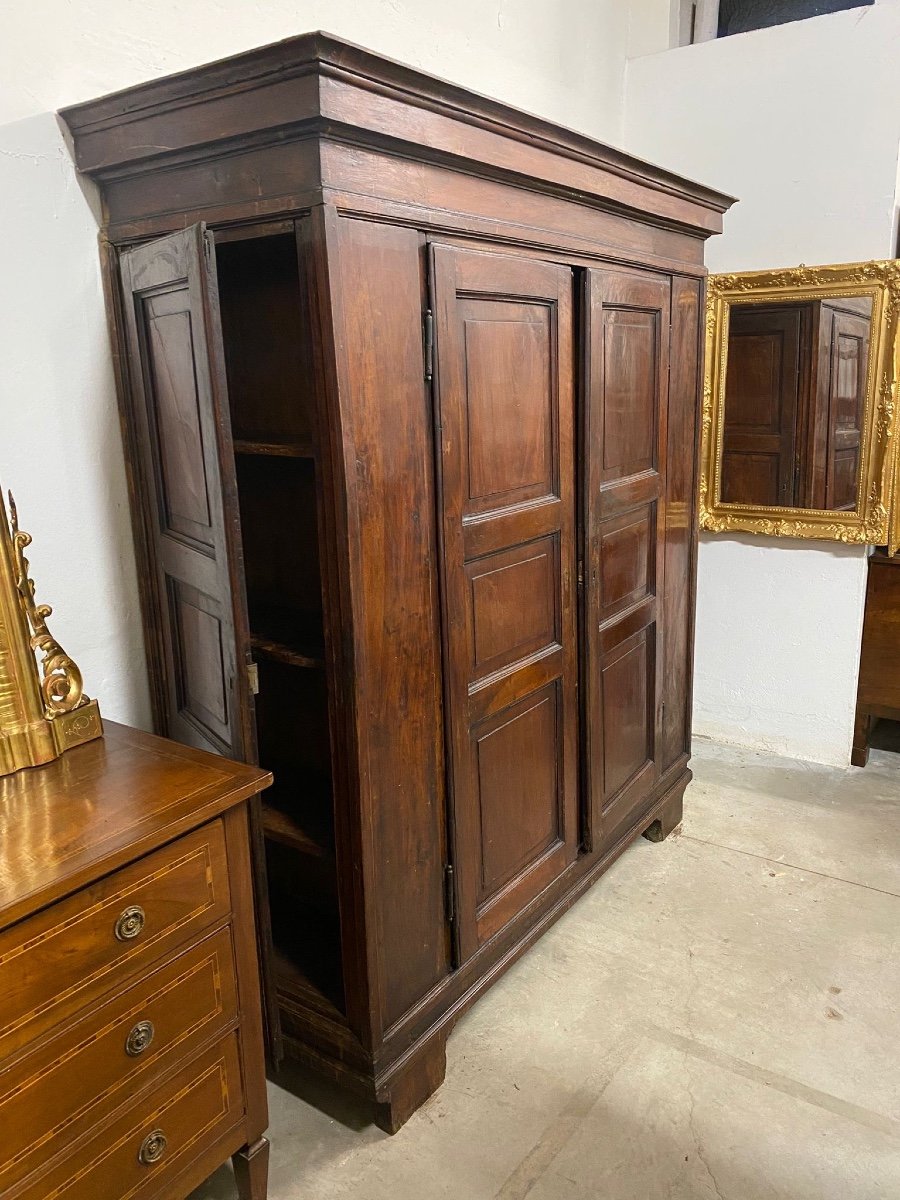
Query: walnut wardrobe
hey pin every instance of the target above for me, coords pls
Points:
(410, 384)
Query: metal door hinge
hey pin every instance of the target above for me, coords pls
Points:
(449, 894)
(428, 342)
(580, 577)
(253, 678)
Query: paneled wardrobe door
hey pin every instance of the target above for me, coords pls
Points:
(760, 434)
(627, 328)
(504, 399)
(178, 420)
(846, 336)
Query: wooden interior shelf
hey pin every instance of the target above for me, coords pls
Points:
(294, 449)
(281, 826)
(282, 633)
(310, 657)
(292, 982)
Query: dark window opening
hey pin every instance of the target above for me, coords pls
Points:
(741, 16)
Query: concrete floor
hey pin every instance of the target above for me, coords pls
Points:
(717, 1018)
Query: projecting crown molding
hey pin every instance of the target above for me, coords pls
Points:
(314, 86)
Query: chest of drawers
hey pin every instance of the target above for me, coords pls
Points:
(131, 1053)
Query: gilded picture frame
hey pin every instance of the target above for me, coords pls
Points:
(872, 521)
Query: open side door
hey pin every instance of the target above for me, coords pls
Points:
(199, 640)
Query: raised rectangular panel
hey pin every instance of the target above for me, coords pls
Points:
(630, 410)
(627, 560)
(845, 478)
(514, 603)
(749, 474)
(518, 789)
(850, 390)
(757, 360)
(627, 681)
(183, 484)
(509, 400)
(201, 682)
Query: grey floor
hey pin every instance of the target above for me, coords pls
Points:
(717, 1018)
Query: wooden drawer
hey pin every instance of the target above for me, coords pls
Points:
(181, 1120)
(52, 1096)
(66, 957)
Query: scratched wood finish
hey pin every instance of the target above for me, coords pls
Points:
(416, 507)
(128, 973)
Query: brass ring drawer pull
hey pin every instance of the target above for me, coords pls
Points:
(139, 1038)
(130, 923)
(153, 1147)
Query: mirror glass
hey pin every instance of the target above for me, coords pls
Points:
(795, 402)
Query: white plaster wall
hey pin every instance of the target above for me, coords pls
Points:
(801, 122)
(60, 447)
(564, 60)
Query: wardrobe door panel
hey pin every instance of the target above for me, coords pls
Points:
(179, 419)
(627, 318)
(762, 396)
(504, 397)
(626, 677)
(849, 357)
(388, 461)
(680, 520)
(182, 461)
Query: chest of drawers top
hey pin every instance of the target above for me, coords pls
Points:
(103, 805)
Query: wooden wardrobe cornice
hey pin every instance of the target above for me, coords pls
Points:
(320, 85)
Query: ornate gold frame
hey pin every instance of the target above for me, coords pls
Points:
(871, 522)
(43, 711)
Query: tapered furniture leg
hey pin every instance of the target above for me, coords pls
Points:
(668, 818)
(411, 1086)
(862, 731)
(251, 1170)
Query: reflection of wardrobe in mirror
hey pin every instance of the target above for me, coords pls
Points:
(794, 403)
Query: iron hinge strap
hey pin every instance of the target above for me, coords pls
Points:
(428, 342)
(449, 894)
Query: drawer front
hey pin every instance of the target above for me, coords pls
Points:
(152, 1140)
(82, 1075)
(62, 959)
